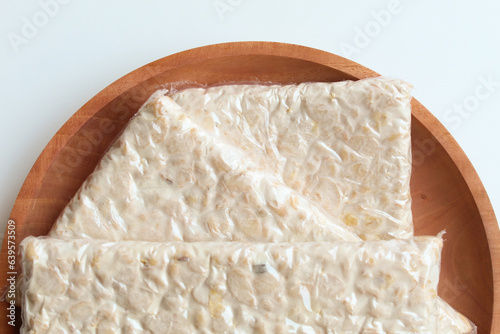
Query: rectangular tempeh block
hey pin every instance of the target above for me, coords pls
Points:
(134, 287)
(345, 145)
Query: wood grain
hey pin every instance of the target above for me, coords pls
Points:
(447, 193)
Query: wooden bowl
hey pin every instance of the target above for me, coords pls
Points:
(447, 193)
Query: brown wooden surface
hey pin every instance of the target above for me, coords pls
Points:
(447, 193)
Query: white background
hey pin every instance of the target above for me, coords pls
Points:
(56, 55)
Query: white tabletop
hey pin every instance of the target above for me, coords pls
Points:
(57, 54)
